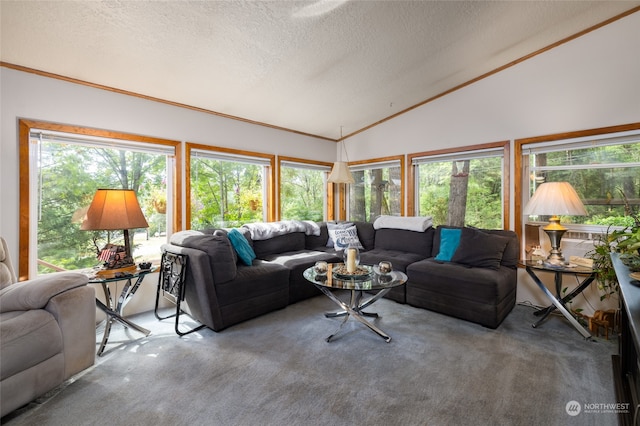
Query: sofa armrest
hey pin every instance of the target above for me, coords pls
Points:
(36, 293)
(75, 312)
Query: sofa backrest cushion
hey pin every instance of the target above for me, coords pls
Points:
(280, 244)
(366, 234)
(7, 273)
(315, 241)
(479, 254)
(480, 249)
(511, 255)
(402, 240)
(217, 247)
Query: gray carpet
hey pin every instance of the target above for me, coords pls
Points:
(279, 370)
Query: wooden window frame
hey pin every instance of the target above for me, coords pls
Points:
(271, 175)
(506, 181)
(343, 189)
(25, 127)
(518, 163)
(329, 188)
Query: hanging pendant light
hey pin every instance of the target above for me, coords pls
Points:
(340, 173)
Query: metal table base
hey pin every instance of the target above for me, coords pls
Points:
(355, 309)
(113, 310)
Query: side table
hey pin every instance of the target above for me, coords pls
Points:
(559, 302)
(173, 269)
(113, 307)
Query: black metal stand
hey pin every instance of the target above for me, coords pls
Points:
(173, 269)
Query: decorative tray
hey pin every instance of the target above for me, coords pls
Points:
(360, 273)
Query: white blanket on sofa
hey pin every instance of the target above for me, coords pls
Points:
(412, 223)
(266, 230)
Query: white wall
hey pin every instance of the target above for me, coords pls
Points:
(590, 82)
(25, 95)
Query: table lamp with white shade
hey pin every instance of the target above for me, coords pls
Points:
(555, 199)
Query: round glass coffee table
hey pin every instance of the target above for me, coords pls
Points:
(379, 284)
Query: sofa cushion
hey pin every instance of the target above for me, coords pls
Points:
(260, 279)
(28, 338)
(320, 240)
(299, 260)
(279, 244)
(480, 249)
(480, 285)
(7, 274)
(225, 233)
(406, 241)
(449, 242)
(296, 262)
(242, 247)
(399, 259)
(366, 234)
(511, 255)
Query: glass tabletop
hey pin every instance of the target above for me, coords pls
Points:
(569, 269)
(370, 281)
(119, 276)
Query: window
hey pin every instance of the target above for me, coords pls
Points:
(462, 187)
(603, 169)
(227, 188)
(303, 189)
(66, 165)
(377, 189)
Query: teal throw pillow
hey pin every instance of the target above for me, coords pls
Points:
(242, 247)
(449, 242)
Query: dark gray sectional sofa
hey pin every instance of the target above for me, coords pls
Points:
(222, 291)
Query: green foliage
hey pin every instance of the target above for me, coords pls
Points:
(625, 241)
(69, 176)
(484, 192)
(601, 256)
(302, 194)
(225, 193)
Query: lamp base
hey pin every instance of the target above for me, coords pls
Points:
(556, 259)
(555, 231)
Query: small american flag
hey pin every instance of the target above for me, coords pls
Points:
(106, 254)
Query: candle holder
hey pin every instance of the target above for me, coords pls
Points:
(351, 257)
(385, 267)
(321, 267)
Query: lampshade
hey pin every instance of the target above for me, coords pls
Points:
(340, 173)
(555, 198)
(113, 209)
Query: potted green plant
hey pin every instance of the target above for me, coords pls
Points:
(624, 241)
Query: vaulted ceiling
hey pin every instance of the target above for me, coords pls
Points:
(315, 67)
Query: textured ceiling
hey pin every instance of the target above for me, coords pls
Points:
(307, 66)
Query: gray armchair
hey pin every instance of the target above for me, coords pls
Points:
(47, 332)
